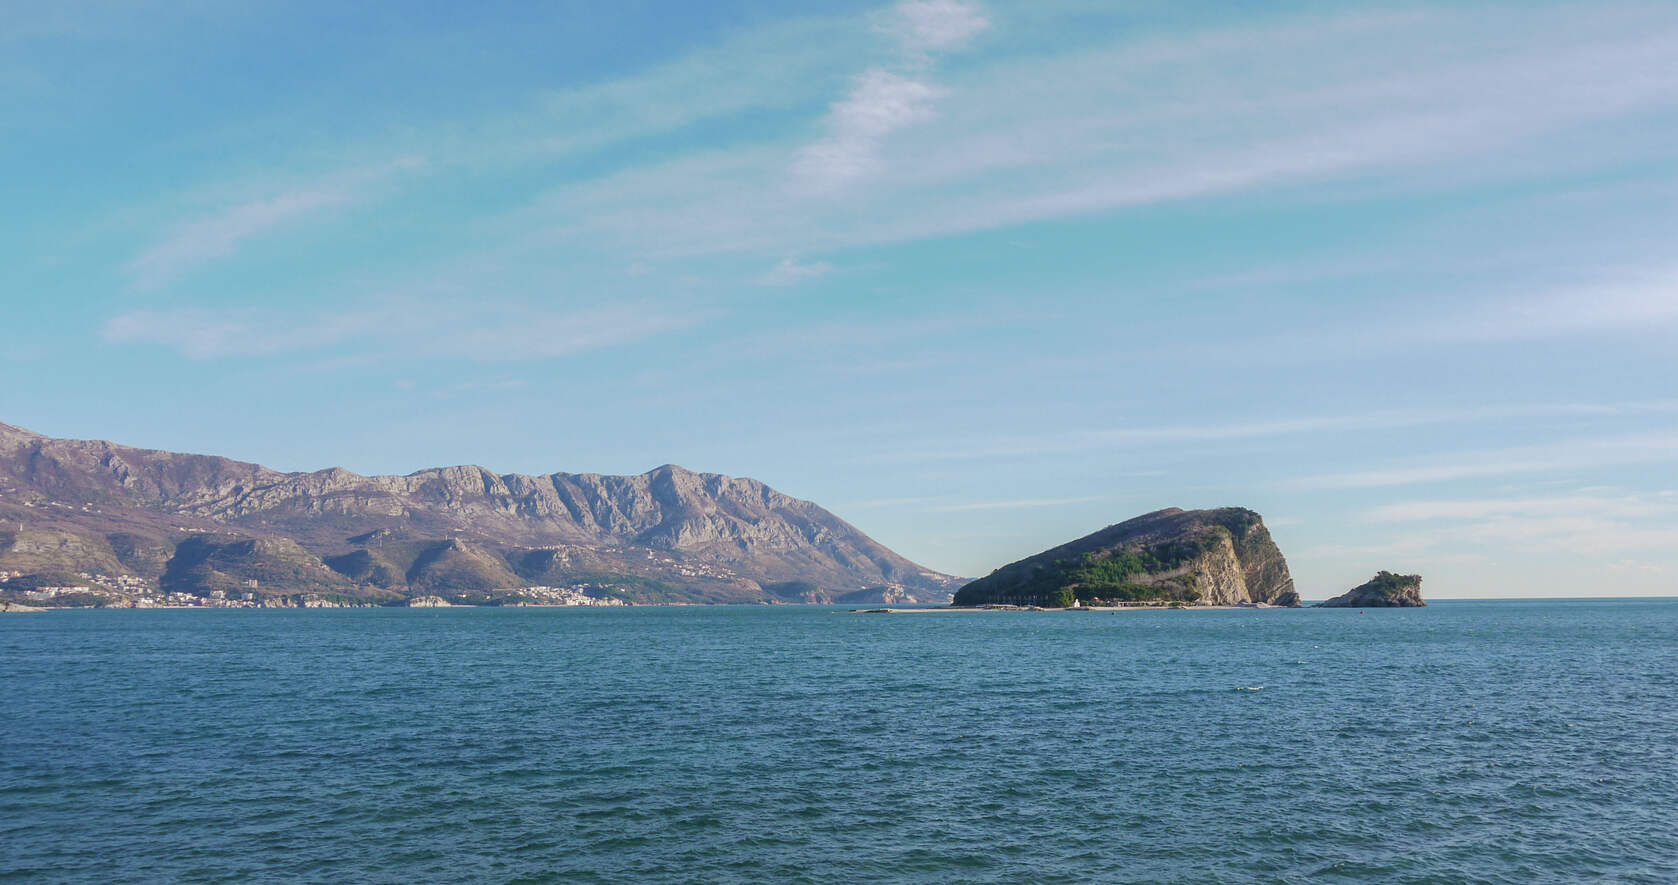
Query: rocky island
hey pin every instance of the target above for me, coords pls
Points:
(1385, 590)
(1172, 556)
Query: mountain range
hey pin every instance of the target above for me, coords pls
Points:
(203, 524)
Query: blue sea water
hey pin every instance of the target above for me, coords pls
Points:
(1464, 742)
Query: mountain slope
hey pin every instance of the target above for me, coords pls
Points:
(666, 535)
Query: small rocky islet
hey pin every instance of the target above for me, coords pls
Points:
(1385, 590)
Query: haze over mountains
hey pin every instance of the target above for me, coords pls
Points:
(200, 523)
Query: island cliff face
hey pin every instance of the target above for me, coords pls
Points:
(1195, 557)
(1385, 590)
(201, 524)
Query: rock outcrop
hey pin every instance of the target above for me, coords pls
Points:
(200, 523)
(15, 607)
(1194, 557)
(1385, 590)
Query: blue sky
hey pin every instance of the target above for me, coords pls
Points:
(979, 277)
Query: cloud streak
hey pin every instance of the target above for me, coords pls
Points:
(879, 104)
(883, 101)
(193, 243)
(1573, 455)
(1641, 300)
(789, 271)
(1070, 442)
(1572, 526)
(1624, 506)
(1014, 504)
(1129, 124)
(499, 334)
(197, 242)
(927, 25)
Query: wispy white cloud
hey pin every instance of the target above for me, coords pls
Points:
(1133, 123)
(502, 333)
(876, 503)
(502, 385)
(195, 334)
(1645, 299)
(771, 69)
(1014, 504)
(538, 334)
(882, 100)
(198, 241)
(1068, 442)
(1649, 300)
(1408, 547)
(938, 504)
(1582, 536)
(879, 104)
(909, 152)
(1622, 506)
(790, 270)
(922, 25)
(1587, 523)
(1639, 567)
(204, 334)
(1584, 454)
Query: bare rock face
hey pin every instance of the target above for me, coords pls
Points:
(1195, 557)
(1385, 590)
(666, 535)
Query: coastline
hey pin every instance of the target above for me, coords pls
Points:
(1033, 608)
(12, 607)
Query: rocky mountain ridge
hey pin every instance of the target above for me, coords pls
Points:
(201, 523)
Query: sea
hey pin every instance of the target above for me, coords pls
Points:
(1469, 741)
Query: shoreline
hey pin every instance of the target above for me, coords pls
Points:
(1088, 608)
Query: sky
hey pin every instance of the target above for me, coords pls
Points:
(979, 277)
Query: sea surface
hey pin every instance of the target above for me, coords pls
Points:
(1465, 742)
